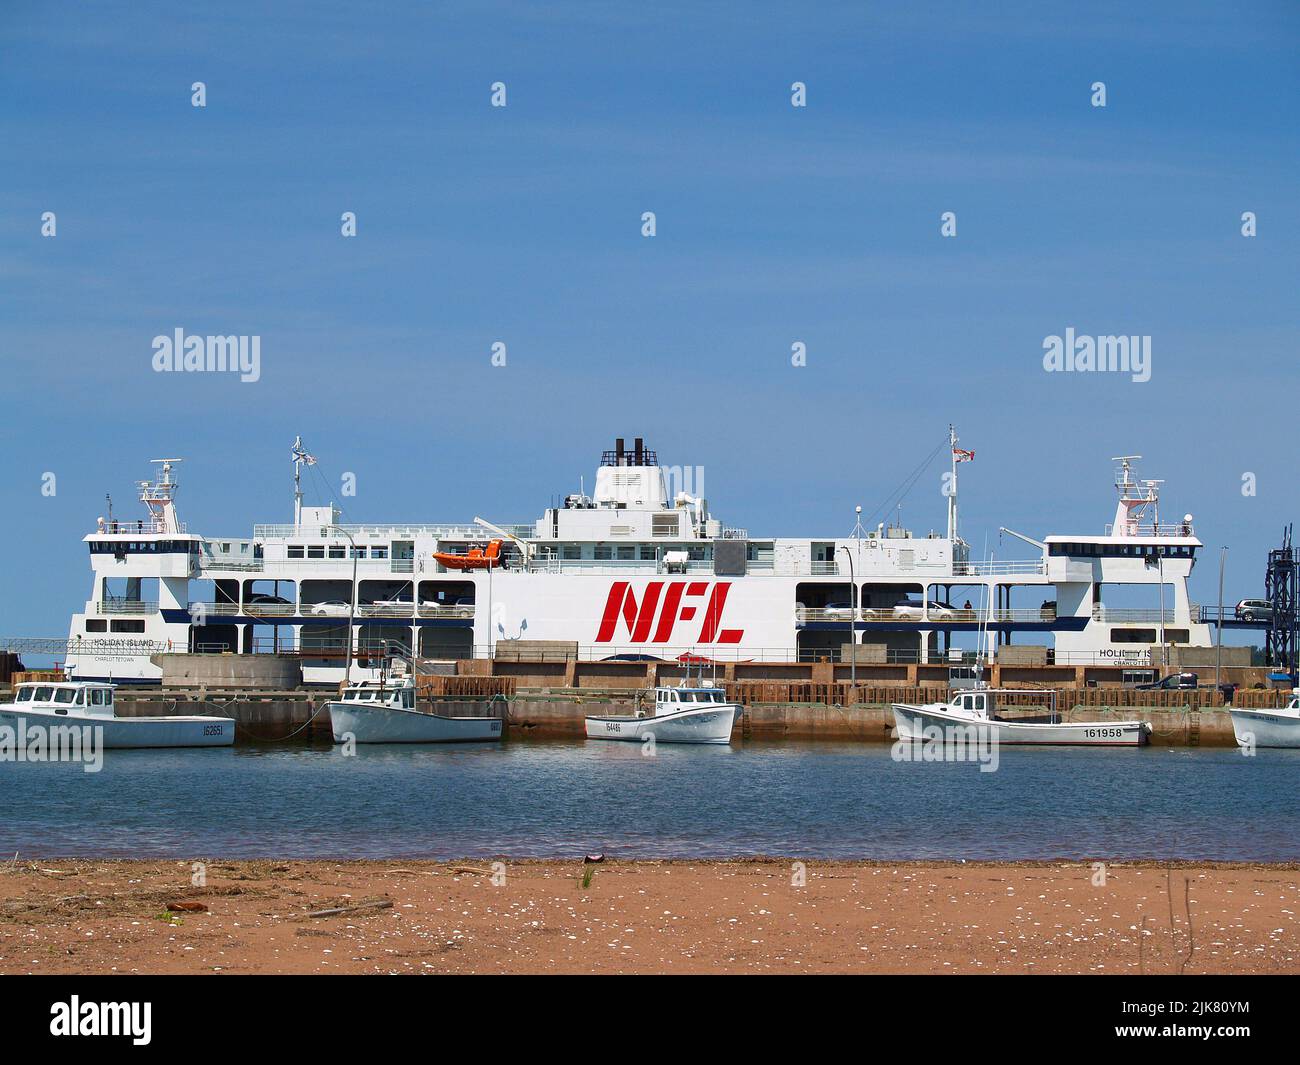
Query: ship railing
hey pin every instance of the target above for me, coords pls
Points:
(217, 563)
(995, 568)
(904, 615)
(117, 605)
(198, 610)
(616, 565)
(1164, 528)
(385, 610)
(246, 609)
(1212, 615)
(437, 530)
(1123, 614)
(733, 533)
(366, 565)
(138, 528)
(310, 610)
(270, 609)
(838, 654)
(437, 610)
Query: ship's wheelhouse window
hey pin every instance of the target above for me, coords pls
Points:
(25, 694)
(128, 626)
(43, 695)
(99, 696)
(65, 695)
(295, 551)
(316, 551)
(1132, 635)
(96, 625)
(336, 550)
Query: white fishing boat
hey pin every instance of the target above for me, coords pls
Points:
(1268, 728)
(375, 711)
(46, 707)
(681, 715)
(971, 714)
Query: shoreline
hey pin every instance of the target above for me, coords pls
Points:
(756, 914)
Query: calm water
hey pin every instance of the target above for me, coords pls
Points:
(562, 799)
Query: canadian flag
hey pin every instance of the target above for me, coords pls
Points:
(963, 456)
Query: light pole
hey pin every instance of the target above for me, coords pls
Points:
(853, 619)
(352, 600)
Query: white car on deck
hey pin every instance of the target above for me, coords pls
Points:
(911, 611)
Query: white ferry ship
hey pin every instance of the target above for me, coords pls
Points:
(633, 571)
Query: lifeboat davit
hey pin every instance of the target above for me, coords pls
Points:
(475, 558)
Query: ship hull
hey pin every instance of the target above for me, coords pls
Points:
(387, 724)
(918, 723)
(1266, 728)
(701, 725)
(124, 733)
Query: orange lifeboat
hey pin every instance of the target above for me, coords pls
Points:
(475, 558)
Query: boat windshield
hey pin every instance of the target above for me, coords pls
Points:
(43, 695)
(65, 695)
(25, 694)
(707, 695)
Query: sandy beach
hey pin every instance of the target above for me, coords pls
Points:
(61, 916)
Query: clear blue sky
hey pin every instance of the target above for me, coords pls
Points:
(522, 225)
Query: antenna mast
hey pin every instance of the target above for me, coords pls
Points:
(952, 487)
(300, 459)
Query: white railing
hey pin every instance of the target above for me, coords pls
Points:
(995, 569)
(440, 531)
(138, 528)
(1105, 613)
(385, 610)
(317, 610)
(1165, 528)
(614, 565)
(364, 565)
(430, 611)
(841, 615)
